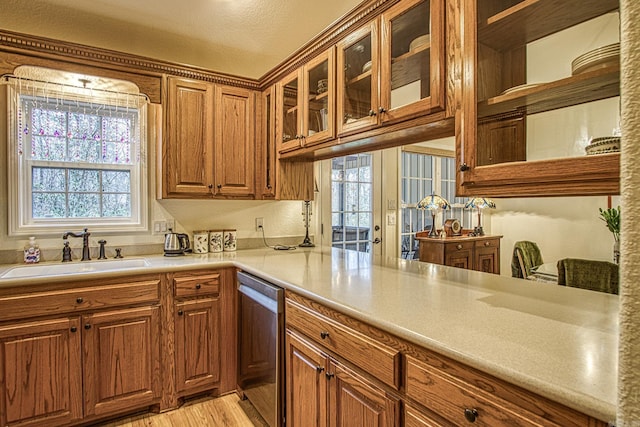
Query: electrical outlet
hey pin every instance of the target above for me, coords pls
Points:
(162, 227)
(259, 223)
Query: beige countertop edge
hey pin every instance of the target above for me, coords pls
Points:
(590, 405)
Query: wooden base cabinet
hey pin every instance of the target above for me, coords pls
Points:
(41, 373)
(481, 253)
(323, 392)
(121, 360)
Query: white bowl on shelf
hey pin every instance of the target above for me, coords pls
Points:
(420, 41)
(366, 67)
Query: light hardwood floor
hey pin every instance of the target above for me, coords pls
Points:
(224, 411)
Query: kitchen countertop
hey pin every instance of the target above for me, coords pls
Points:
(556, 341)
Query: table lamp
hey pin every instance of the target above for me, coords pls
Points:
(480, 203)
(433, 203)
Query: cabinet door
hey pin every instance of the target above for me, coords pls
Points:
(358, 79)
(306, 383)
(187, 154)
(487, 256)
(319, 99)
(355, 401)
(265, 145)
(234, 141)
(197, 344)
(289, 122)
(40, 373)
(121, 360)
(459, 255)
(412, 59)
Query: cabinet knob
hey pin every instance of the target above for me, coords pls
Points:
(180, 312)
(319, 369)
(329, 375)
(87, 326)
(487, 243)
(210, 186)
(382, 110)
(464, 167)
(324, 335)
(198, 285)
(470, 414)
(79, 300)
(372, 113)
(73, 329)
(459, 247)
(219, 186)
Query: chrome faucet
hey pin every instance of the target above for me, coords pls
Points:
(85, 242)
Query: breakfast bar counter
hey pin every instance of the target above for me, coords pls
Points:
(555, 341)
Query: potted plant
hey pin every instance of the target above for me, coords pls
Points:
(611, 217)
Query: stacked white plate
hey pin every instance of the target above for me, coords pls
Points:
(597, 58)
(520, 87)
(605, 144)
(420, 41)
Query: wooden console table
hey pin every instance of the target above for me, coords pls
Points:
(481, 253)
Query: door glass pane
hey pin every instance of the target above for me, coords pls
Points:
(352, 202)
(357, 80)
(410, 49)
(290, 111)
(318, 78)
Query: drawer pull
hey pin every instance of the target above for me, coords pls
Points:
(324, 335)
(459, 247)
(79, 300)
(330, 375)
(198, 285)
(471, 414)
(87, 326)
(180, 312)
(319, 369)
(73, 329)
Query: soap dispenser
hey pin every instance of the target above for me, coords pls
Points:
(32, 251)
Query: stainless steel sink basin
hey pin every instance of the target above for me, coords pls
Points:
(73, 268)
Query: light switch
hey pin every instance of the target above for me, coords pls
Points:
(392, 205)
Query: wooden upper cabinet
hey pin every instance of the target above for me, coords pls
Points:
(358, 67)
(234, 141)
(187, 152)
(266, 145)
(533, 99)
(412, 60)
(288, 112)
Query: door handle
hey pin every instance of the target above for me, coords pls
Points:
(376, 241)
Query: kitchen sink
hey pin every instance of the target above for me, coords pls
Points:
(73, 268)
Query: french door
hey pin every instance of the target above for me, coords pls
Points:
(350, 203)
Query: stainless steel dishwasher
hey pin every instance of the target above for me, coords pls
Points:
(260, 346)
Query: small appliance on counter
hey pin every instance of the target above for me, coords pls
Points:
(176, 244)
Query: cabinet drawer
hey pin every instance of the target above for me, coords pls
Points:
(379, 360)
(455, 400)
(493, 243)
(458, 246)
(195, 285)
(79, 299)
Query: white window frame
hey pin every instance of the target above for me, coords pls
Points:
(19, 179)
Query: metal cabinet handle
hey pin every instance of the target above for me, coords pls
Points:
(319, 369)
(219, 186)
(382, 110)
(79, 300)
(329, 375)
(470, 414)
(198, 285)
(180, 312)
(87, 326)
(464, 167)
(372, 113)
(324, 335)
(459, 247)
(487, 243)
(73, 329)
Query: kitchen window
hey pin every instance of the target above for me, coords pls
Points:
(76, 158)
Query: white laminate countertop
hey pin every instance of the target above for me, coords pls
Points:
(556, 341)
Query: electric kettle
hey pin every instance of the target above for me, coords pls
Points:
(176, 244)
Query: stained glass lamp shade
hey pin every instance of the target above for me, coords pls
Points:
(433, 203)
(480, 203)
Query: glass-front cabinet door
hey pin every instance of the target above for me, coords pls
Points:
(289, 125)
(357, 71)
(319, 99)
(412, 62)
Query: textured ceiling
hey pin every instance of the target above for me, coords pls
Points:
(260, 33)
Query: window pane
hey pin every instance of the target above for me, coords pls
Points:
(116, 181)
(84, 205)
(84, 150)
(116, 205)
(49, 205)
(84, 180)
(48, 148)
(48, 179)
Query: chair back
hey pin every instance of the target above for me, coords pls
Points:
(601, 276)
(526, 255)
